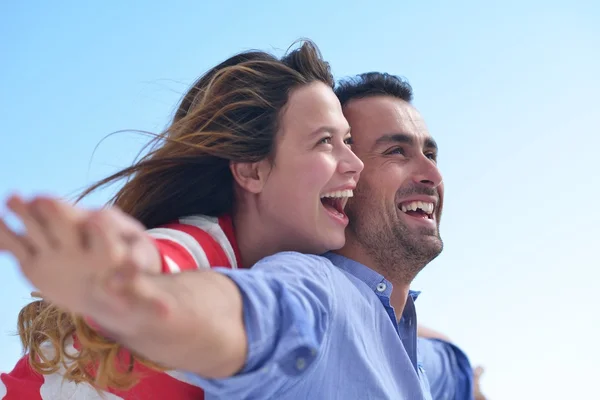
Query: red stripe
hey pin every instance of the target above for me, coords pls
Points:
(176, 252)
(159, 385)
(22, 383)
(214, 252)
(226, 224)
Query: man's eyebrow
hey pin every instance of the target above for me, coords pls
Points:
(431, 144)
(404, 138)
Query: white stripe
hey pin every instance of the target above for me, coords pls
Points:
(184, 240)
(211, 226)
(182, 377)
(173, 267)
(56, 387)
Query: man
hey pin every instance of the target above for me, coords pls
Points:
(402, 179)
(297, 326)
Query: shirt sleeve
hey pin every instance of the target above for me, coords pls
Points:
(447, 368)
(197, 244)
(288, 303)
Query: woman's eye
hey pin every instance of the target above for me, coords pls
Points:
(348, 141)
(325, 140)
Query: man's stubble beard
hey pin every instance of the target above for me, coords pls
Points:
(399, 252)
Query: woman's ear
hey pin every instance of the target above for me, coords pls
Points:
(251, 176)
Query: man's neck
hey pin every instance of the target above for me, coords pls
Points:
(401, 288)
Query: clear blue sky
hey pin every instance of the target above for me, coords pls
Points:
(510, 91)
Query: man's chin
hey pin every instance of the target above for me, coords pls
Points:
(430, 245)
(427, 233)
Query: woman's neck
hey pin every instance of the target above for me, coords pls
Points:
(254, 238)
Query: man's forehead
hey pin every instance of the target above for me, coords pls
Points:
(372, 117)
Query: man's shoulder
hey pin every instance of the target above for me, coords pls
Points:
(296, 257)
(301, 264)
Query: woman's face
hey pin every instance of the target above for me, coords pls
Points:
(313, 173)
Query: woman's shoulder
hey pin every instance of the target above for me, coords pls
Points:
(196, 242)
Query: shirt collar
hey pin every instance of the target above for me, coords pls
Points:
(371, 278)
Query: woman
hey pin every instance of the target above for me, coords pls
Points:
(256, 161)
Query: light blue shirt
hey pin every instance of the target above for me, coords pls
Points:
(448, 369)
(322, 331)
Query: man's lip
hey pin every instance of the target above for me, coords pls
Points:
(425, 199)
(431, 222)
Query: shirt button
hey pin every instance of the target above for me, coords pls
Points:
(300, 364)
(381, 287)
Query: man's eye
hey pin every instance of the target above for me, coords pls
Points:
(349, 141)
(431, 156)
(396, 150)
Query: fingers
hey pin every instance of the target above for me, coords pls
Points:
(104, 239)
(15, 244)
(101, 279)
(478, 371)
(124, 298)
(49, 223)
(141, 251)
(60, 220)
(113, 287)
(129, 228)
(34, 237)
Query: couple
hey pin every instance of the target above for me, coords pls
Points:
(258, 169)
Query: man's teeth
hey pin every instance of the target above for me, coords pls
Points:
(417, 205)
(339, 193)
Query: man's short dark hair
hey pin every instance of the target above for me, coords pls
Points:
(373, 84)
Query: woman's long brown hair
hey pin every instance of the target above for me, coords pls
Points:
(230, 114)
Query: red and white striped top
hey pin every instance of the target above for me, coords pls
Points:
(191, 243)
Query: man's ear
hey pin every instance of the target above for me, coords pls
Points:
(251, 176)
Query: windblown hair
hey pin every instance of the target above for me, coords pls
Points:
(231, 114)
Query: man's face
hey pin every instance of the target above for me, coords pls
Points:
(395, 213)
